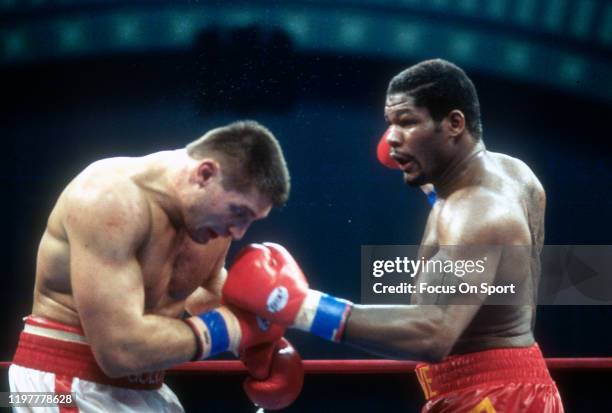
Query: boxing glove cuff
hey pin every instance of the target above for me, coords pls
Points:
(216, 331)
(323, 315)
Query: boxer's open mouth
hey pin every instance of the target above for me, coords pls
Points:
(407, 166)
(405, 161)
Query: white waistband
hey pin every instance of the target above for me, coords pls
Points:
(55, 334)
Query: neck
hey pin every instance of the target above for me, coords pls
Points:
(161, 173)
(453, 177)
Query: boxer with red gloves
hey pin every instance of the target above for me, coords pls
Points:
(131, 245)
(480, 357)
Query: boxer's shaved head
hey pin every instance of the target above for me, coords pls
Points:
(250, 156)
(441, 87)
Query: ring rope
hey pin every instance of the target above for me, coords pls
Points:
(365, 366)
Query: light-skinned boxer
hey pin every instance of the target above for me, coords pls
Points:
(130, 246)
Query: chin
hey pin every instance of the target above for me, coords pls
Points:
(415, 181)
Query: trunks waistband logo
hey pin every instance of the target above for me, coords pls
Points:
(146, 378)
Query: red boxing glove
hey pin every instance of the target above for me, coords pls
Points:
(258, 359)
(255, 330)
(266, 280)
(276, 374)
(384, 157)
(383, 149)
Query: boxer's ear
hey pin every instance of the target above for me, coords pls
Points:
(455, 123)
(207, 169)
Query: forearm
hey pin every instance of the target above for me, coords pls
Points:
(267, 281)
(202, 300)
(405, 332)
(425, 332)
(151, 343)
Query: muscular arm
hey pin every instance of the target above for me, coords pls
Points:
(428, 331)
(208, 296)
(106, 227)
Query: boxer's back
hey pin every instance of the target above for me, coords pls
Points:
(162, 256)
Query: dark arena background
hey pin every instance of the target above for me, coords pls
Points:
(85, 80)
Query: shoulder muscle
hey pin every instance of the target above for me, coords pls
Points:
(478, 216)
(110, 216)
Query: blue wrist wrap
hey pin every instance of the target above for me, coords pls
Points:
(219, 335)
(330, 318)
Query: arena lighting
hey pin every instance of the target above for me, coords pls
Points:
(570, 38)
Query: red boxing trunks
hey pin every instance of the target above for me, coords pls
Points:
(51, 346)
(509, 380)
(53, 357)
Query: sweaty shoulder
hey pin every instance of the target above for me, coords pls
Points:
(519, 170)
(480, 216)
(103, 205)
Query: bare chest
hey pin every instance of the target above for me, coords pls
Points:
(174, 266)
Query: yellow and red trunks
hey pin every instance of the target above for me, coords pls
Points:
(493, 381)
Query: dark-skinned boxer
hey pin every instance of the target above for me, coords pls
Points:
(480, 358)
